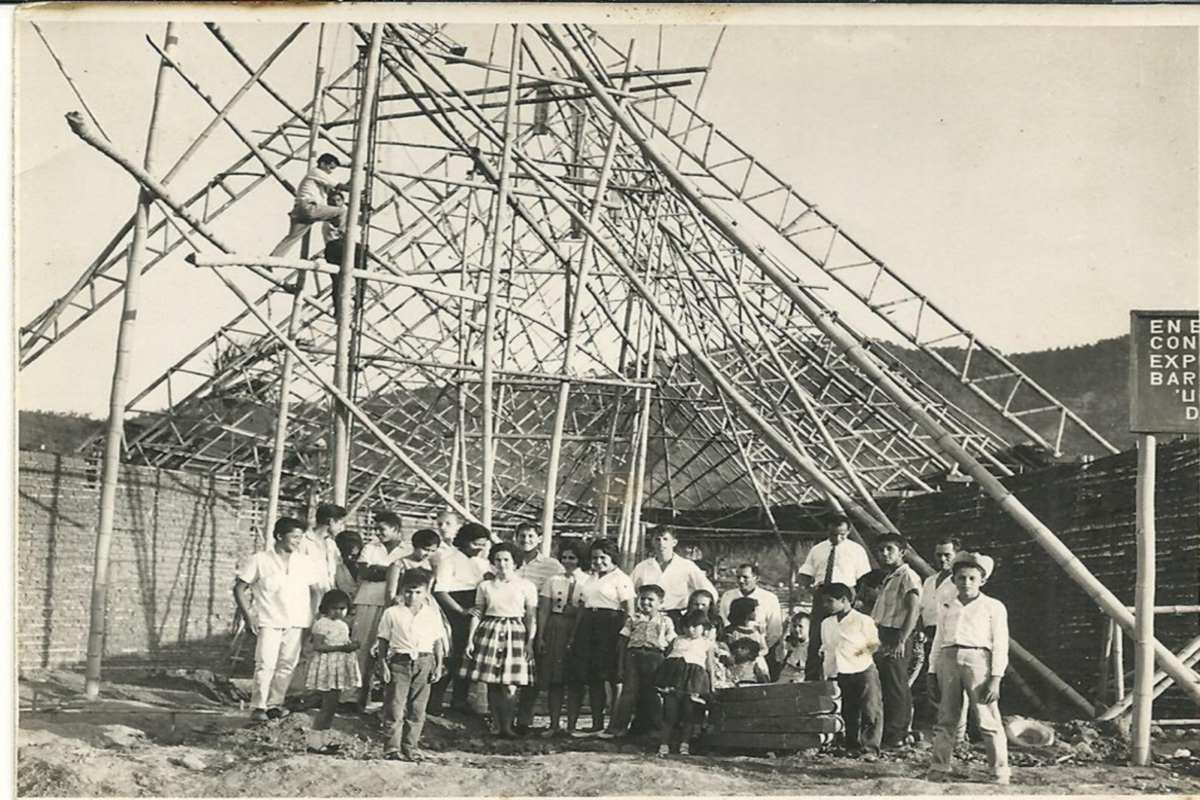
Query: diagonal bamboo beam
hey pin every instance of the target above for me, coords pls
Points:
(1188, 680)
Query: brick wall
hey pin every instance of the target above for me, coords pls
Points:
(1091, 508)
(176, 541)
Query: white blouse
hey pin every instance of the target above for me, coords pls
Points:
(608, 591)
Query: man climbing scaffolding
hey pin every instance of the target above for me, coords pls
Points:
(311, 204)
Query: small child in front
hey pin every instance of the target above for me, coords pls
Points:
(970, 653)
(848, 641)
(643, 642)
(412, 650)
(333, 667)
(684, 681)
(741, 637)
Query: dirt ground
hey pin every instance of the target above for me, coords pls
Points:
(132, 743)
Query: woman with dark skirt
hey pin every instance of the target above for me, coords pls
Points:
(559, 607)
(458, 575)
(607, 600)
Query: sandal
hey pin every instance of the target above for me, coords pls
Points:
(325, 750)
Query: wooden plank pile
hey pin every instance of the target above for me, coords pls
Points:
(774, 716)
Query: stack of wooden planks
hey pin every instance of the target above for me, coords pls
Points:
(774, 716)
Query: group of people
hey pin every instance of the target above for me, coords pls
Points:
(873, 631)
(430, 614)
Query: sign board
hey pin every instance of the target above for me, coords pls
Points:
(1163, 372)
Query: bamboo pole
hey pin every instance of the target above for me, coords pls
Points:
(572, 343)
(1143, 651)
(283, 407)
(346, 286)
(854, 351)
(1190, 654)
(163, 195)
(489, 325)
(1119, 663)
(110, 470)
(1106, 660)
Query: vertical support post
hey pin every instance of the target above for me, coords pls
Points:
(1119, 661)
(283, 409)
(489, 325)
(1143, 618)
(574, 314)
(110, 470)
(345, 295)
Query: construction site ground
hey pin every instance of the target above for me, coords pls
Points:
(157, 736)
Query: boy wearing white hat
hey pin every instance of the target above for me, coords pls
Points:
(970, 653)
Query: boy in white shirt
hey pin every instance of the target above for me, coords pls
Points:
(970, 653)
(412, 649)
(848, 641)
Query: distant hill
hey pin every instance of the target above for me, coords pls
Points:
(1090, 379)
(55, 431)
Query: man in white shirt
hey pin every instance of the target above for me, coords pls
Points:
(281, 580)
(770, 616)
(311, 203)
(677, 576)
(832, 560)
(538, 570)
(970, 655)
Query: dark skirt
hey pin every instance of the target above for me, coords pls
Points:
(594, 657)
(677, 675)
(552, 662)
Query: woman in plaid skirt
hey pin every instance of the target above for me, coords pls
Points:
(500, 639)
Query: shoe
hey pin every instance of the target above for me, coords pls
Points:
(393, 755)
(415, 756)
(277, 713)
(685, 749)
(1001, 780)
(551, 733)
(259, 715)
(606, 735)
(663, 751)
(519, 729)
(938, 776)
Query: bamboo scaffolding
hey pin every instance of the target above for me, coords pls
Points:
(574, 313)
(111, 466)
(283, 409)
(346, 285)
(1074, 568)
(489, 329)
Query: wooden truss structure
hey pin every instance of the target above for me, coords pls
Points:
(586, 302)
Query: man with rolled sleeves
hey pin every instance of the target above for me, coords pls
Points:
(832, 560)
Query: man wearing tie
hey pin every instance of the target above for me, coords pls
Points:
(832, 560)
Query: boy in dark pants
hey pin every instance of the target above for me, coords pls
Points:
(412, 649)
(848, 638)
(896, 611)
(643, 642)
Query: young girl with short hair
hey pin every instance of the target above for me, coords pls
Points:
(684, 681)
(334, 666)
(503, 625)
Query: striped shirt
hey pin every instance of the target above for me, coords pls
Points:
(889, 610)
(540, 569)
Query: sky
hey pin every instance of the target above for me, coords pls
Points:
(1037, 182)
